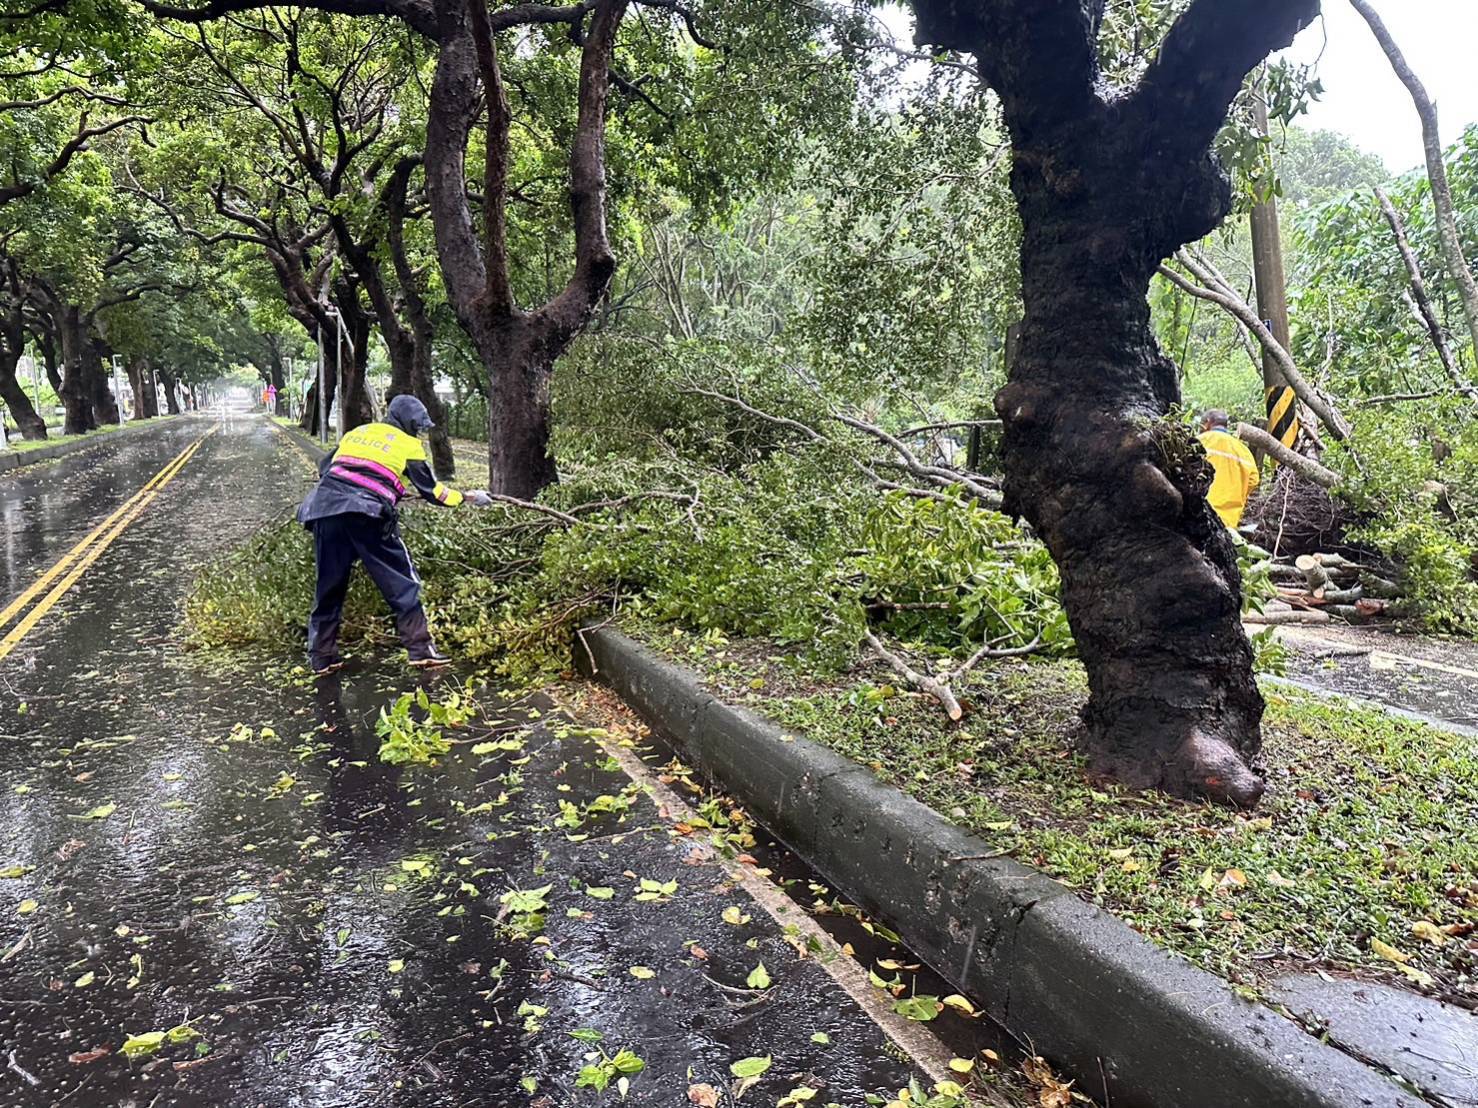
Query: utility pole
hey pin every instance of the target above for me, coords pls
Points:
(322, 397)
(1272, 295)
(339, 361)
(118, 385)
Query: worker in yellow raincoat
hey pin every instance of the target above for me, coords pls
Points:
(1236, 469)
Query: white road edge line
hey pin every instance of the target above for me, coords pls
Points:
(927, 1052)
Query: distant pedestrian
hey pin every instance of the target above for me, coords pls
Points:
(1236, 469)
(352, 514)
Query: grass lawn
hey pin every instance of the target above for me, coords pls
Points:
(1362, 859)
(21, 445)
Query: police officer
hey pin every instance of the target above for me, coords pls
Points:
(352, 514)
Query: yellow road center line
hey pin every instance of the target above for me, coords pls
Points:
(76, 552)
(34, 616)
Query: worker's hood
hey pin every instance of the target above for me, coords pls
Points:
(410, 415)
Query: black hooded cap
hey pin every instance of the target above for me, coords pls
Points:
(410, 415)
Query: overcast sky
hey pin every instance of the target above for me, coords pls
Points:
(1362, 98)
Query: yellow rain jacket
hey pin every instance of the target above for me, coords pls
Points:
(1236, 475)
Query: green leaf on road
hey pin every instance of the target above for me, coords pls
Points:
(920, 1008)
(759, 977)
(750, 1067)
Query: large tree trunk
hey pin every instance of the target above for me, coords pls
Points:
(422, 382)
(17, 403)
(105, 406)
(141, 380)
(49, 359)
(135, 382)
(519, 372)
(1109, 183)
(1118, 493)
(360, 408)
(76, 385)
(278, 373)
(171, 398)
(518, 347)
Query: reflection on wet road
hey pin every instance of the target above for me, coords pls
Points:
(211, 865)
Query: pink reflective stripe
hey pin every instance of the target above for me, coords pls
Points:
(364, 465)
(364, 481)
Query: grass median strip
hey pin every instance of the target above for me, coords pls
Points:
(75, 562)
(1359, 862)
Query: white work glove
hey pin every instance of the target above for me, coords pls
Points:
(478, 498)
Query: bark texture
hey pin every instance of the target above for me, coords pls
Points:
(518, 346)
(1110, 183)
(12, 346)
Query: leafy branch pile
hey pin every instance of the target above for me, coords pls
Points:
(790, 545)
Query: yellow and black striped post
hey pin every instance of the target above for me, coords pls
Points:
(1283, 415)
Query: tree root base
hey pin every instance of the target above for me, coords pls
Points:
(1202, 767)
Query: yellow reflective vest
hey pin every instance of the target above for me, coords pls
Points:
(1236, 475)
(375, 467)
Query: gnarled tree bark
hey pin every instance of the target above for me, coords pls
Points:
(1108, 185)
(12, 345)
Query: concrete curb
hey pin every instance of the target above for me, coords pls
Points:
(19, 459)
(1077, 983)
(306, 443)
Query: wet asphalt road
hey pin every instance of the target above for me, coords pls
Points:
(214, 852)
(1432, 679)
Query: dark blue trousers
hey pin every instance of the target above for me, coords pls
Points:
(338, 542)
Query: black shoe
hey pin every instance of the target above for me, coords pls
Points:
(432, 660)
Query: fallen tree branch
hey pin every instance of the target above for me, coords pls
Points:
(1441, 189)
(1397, 398)
(1215, 289)
(1304, 467)
(921, 681)
(1423, 302)
(992, 652)
(534, 506)
(935, 479)
(1285, 618)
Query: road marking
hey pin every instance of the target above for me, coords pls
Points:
(90, 549)
(926, 1051)
(1422, 663)
(308, 460)
(1379, 659)
(76, 552)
